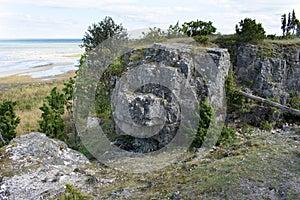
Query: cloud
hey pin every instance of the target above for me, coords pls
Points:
(134, 14)
(71, 3)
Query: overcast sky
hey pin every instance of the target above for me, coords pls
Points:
(71, 18)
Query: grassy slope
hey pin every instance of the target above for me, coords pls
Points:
(264, 166)
(29, 94)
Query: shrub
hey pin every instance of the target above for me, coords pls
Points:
(52, 123)
(267, 126)
(8, 122)
(201, 39)
(194, 28)
(205, 116)
(227, 136)
(249, 31)
(235, 101)
(73, 193)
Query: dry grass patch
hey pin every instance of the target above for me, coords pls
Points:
(29, 97)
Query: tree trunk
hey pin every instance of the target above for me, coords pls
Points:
(271, 103)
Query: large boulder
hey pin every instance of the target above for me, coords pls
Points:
(34, 166)
(151, 96)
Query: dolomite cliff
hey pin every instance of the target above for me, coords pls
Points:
(272, 76)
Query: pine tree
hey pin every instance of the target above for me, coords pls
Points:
(249, 31)
(52, 124)
(283, 22)
(8, 122)
(293, 22)
(288, 26)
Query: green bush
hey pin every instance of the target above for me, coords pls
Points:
(201, 39)
(73, 193)
(52, 123)
(227, 136)
(249, 31)
(235, 101)
(8, 122)
(267, 126)
(205, 116)
(194, 28)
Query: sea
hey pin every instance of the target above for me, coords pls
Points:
(39, 58)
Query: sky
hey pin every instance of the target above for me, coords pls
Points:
(71, 18)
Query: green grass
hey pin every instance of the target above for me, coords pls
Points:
(283, 42)
(254, 168)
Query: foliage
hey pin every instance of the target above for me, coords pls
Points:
(154, 34)
(229, 42)
(267, 126)
(97, 33)
(290, 25)
(201, 39)
(73, 193)
(174, 31)
(103, 88)
(205, 116)
(271, 36)
(249, 31)
(8, 122)
(196, 28)
(52, 123)
(234, 99)
(294, 102)
(68, 92)
(227, 136)
(283, 22)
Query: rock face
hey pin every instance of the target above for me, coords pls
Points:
(149, 99)
(36, 167)
(271, 76)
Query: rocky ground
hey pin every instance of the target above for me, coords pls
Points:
(260, 165)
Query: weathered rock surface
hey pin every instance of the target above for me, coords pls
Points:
(36, 167)
(152, 95)
(272, 76)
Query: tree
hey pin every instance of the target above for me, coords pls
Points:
(298, 28)
(249, 31)
(154, 34)
(288, 25)
(52, 124)
(174, 31)
(8, 122)
(283, 22)
(198, 28)
(97, 33)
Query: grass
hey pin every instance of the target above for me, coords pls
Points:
(29, 94)
(283, 42)
(263, 166)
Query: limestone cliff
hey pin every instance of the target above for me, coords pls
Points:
(161, 86)
(272, 72)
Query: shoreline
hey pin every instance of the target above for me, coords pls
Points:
(6, 82)
(26, 72)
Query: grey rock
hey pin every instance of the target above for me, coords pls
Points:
(273, 76)
(147, 99)
(36, 167)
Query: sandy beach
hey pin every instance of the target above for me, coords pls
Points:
(21, 72)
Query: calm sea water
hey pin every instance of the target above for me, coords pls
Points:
(51, 56)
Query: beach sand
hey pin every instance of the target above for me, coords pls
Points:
(23, 72)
